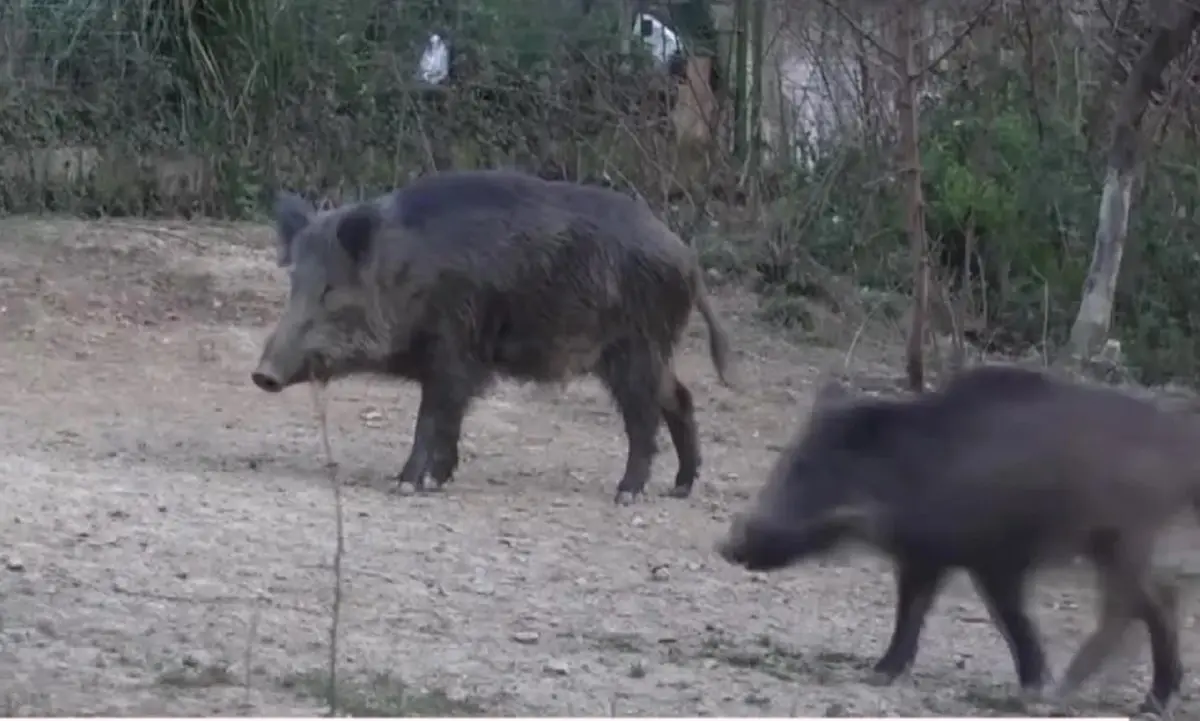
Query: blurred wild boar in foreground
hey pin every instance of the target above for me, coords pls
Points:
(1000, 472)
(460, 277)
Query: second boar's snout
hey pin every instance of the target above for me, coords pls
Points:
(266, 380)
(731, 546)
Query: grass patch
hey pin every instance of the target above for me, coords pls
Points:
(382, 695)
(192, 675)
(619, 642)
(786, 664)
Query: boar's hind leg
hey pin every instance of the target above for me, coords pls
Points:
(1129, 591)
(917, 585)
(680, 416)
(632, 371)
(1003, 591)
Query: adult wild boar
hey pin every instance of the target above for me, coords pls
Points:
(461, 277)
(1001, 472)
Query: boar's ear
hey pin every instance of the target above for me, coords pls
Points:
(292, 215)
(356, 230)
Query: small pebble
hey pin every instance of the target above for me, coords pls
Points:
(407, 489)
(556, 667)
(660, 573)
(13, 563)
(526, 637)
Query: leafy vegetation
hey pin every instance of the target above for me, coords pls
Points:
(170, 107)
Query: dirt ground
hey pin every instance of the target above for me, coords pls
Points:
(168, 529)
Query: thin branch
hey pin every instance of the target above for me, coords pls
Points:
(1031, 63)
(320, 402)
(961, 37)
(890, 56)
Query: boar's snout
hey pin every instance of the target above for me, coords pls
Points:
(283, 365)
(761, 543)
(266, 380)
(730, 547)
(756, 546)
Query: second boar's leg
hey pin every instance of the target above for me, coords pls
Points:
(1129, 591)
(917, 585)
(1003, 591)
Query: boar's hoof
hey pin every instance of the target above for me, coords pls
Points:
(430, 485)
(1155, 707)
(625, 498)
(1035, 696)
(882, 678)
(424, 485)
(679, 492)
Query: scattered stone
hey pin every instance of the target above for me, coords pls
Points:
(406, 489)
(637, 670)
(371, 418)
(12, 563)
(526, 637)
(836, 710)
(46, 627)
(660, 573)
(192, 660)
(556, 667)
(638, 522)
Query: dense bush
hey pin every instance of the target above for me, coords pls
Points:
(167, 107)
(234, 96)
(1022, 181)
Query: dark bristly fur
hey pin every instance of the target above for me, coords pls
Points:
(1001, 472)
(461, 277)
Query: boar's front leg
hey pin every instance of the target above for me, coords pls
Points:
(445, 399)
(420, 457)
(917, 585)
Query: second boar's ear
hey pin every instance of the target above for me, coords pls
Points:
(356, 230)
(292, 215)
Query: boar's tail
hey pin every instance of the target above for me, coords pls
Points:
(718, 342)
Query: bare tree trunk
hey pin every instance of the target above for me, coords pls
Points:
(907, 28)
(1172, 34)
